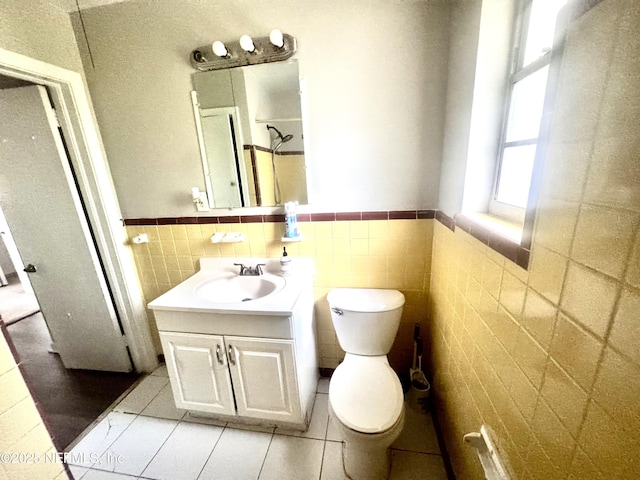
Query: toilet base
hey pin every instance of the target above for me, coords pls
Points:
(367, 456)
(370, 464)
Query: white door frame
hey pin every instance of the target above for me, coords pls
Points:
(75, 114)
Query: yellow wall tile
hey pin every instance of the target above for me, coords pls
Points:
(626, 325)
(359, 246)
(617, 390)
(530, 357)
(597, 230)
(555, 225)
(18, 420)
(564, 396)
(539, 318)
(633, 268)
(590, 298)
(554, 438)
(582, 468)
(609, 445)
(576, 351)
(512, 294)
(546, 272)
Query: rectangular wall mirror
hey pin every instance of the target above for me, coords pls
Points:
(249, 126)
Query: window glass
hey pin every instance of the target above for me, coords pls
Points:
(541, 28)
(515, 175)
(525, 110)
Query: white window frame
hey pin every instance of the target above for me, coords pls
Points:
(517, 74)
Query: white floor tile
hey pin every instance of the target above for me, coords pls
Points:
(184, 453)
(292, 458)
(102, 475)
(161, 371)
(142, 395)
(416, 466)
(418, 434)
(77, 472)
(135, 448)
(332, 465)
(89, 449)
(318, 423)
(332, 431)
(323, 385)
(163, 406)
(239, 455)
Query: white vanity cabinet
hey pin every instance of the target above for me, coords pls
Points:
(253, 377)
(244, 362)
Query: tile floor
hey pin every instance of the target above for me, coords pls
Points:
(146, 436)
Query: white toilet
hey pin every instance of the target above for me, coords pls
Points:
(365, 396)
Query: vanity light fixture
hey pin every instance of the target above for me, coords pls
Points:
(276, 38)
(246, 42)
(220, 49)
(276, 47)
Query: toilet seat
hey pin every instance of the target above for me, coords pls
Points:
(365, 394)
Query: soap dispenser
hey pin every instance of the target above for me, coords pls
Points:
(285, 262)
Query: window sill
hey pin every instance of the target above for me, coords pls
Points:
(498, 234)
(506, 228)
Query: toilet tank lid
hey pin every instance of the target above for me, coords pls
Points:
(365, 299)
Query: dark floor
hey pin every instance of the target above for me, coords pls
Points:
(69, 400)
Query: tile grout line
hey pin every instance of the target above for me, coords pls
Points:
(326, 430)
(158, 451)
(212, 450)
(266, 454)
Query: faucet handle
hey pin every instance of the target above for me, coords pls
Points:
(259, 268)
(243, 268)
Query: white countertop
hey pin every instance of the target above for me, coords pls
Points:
(182, 297)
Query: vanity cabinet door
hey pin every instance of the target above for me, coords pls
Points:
(264, 378)
(198, 371)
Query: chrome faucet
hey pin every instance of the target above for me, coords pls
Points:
(250, 271)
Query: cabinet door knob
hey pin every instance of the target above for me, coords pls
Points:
(219, 354)
(30, 268)
(232, 359)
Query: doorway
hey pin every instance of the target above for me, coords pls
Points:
(56, 347)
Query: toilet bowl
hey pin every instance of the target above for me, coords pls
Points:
(366, 401)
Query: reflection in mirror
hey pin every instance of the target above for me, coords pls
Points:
(249, 124)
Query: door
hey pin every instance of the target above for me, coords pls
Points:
(198, 372)
(264, 380)
(222, 145)
(44, 211)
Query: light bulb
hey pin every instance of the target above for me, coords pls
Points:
(219, 49)
(247, 44)
(276, 38)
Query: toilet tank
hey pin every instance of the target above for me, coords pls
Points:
(366, 320)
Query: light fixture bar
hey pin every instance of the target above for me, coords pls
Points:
(205, 59)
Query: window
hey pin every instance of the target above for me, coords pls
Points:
(527, 87)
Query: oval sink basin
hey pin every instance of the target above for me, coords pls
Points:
(236, 288)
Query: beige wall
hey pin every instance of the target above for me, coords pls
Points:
(375, 76)
(548, 359)
(374, 254)
(40, 30)
(463, 49)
